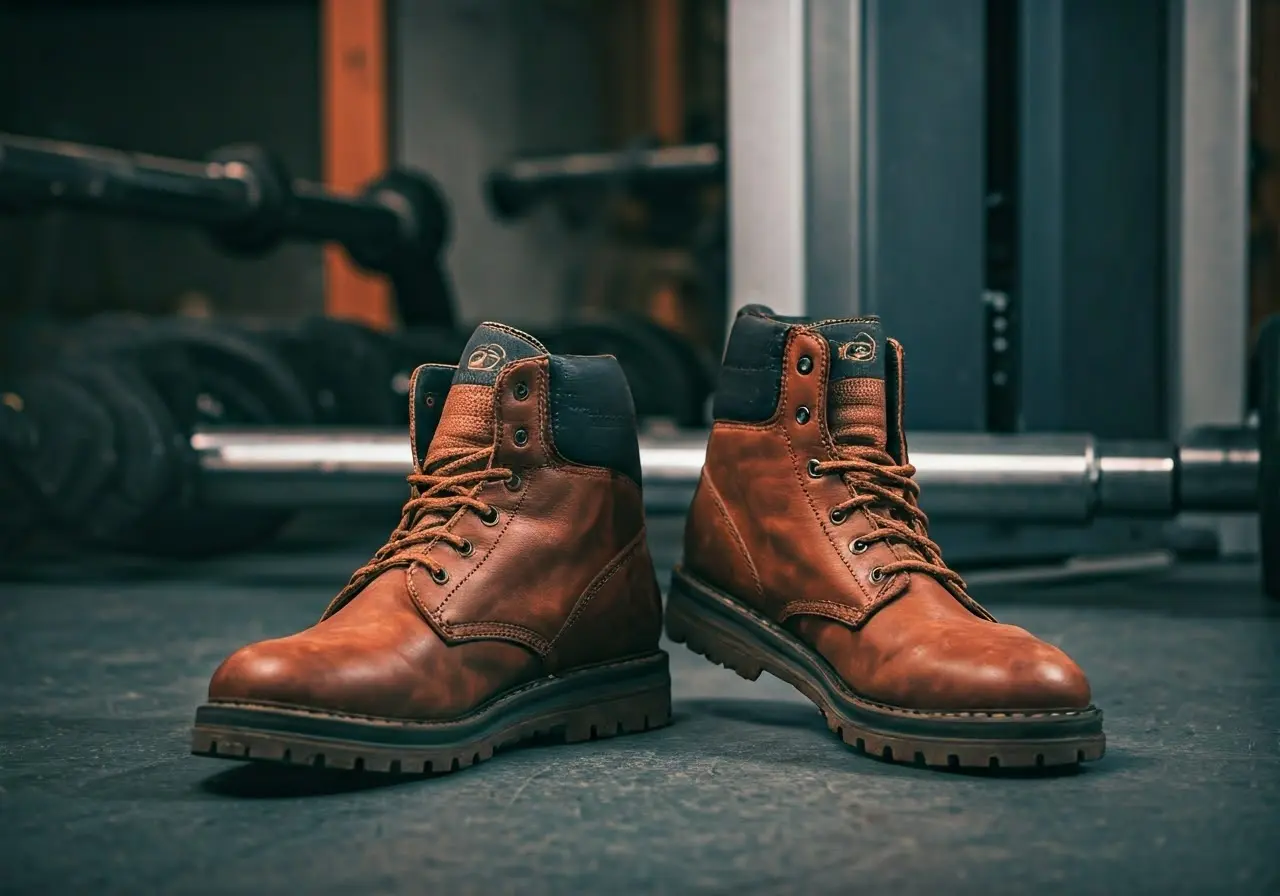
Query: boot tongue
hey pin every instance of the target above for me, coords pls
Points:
(856, 411)
(467, 420)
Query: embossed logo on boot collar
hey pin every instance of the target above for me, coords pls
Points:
(488, 357)
(861, 348)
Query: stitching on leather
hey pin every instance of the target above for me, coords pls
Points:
(777, 629)
(824, 361)
(501, 630)
(413, 414)
(409, 723)
(547, 425)
(614, 566)
(733, 530)
(854, 616)
(510, 518)
(814, 328)
(511, 331)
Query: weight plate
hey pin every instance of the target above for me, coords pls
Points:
(699, 371)
(147, 442)
(72, 459)
(1268, 355)
(28, 342)
(352, 372)
(206, 358)
(207, 374)
(20, 507)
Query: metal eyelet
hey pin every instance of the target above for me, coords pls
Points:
(858, 546)
(521, 391)
(838, 516)
(440, 575)
(520, 436)
(813, 469)
(490, 518)
(877, 575)
(805, 364)
(466, 549)
(802, 414)
(514, 482)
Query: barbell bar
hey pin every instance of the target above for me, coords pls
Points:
(1024, 477)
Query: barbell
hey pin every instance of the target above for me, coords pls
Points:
(1053, 477)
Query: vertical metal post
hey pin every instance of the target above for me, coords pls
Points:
(766, 50)
(833, 164)
(1208, 221)
(1040, 212)
(924, 139)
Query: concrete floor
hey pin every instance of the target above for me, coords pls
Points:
(746, 793)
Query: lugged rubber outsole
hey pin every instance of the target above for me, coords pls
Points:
(624, 704)
(715, 626)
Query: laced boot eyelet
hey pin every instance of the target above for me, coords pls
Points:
(513, 482)
(813, 470)
(490, 518)
(521, 391)
(805, 364)
(877, 575)
(802, 415)
(838, 516)
(466, 549)
(520, 436)
(858, 546)
(440, 575)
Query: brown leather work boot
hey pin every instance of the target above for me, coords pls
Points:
(807, 555)
(516, 597)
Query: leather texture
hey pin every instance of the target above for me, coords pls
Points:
(747, 388)
(559, 579)
(593, 419)
(428, 389)
(760, 529)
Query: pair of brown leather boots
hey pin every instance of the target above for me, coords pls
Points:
(517, 596)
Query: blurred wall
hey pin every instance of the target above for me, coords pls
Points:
(170, 79)
(480, 81)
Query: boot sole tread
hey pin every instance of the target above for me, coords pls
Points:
(715, 625)
(587, 704)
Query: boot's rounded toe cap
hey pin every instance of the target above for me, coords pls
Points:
(1009, 670)
(266, 672)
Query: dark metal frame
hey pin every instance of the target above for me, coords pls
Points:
(892, 162)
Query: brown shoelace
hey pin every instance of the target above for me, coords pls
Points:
(444, 486)
(881, 484)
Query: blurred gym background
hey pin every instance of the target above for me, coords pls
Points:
(1067, 210)
(341, 92)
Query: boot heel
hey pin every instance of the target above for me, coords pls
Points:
(625, 715)
(685, 627)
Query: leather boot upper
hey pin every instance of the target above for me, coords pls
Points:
(520, 554)
(807, 512)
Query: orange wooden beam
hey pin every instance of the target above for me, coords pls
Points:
(666, 67)
(356, 132)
